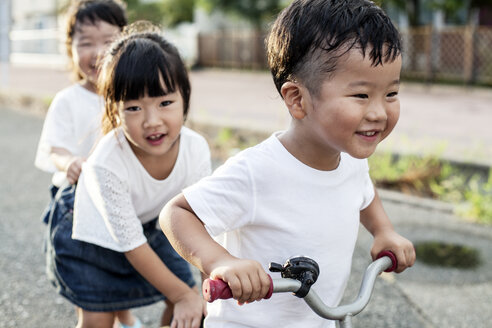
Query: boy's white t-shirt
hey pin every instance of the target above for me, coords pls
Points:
(266, 205)
(115, 194)
(73, 122)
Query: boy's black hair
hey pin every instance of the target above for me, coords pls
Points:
(133, 67)
(90, 12)
(309, 36)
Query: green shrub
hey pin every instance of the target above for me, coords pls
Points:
(430, 177)
(478, 198)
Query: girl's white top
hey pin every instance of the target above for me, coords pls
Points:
(266, 205)
(73, 122)
(116, 195)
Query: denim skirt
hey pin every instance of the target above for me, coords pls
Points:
(96, 278)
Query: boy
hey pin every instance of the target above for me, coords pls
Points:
(336, 65)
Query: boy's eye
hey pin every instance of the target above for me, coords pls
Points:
(361, 96)
(392, 94)
(132, 109)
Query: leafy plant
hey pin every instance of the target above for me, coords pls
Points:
(450, 185)
(478, 199)
(432, 178)
(409, 174)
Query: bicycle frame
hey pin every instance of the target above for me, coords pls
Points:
(217, 289)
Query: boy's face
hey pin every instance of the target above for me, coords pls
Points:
(89, 43)
(356, 108)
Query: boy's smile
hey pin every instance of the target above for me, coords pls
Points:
(355, 108)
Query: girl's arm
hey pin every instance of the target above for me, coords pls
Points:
(188, 305)
(65, 161)
(246, 278)
(376, 221)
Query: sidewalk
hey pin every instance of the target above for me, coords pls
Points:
(423, 296)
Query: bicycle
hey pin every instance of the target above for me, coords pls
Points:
(300, 273)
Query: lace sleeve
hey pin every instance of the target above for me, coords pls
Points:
(112, 198)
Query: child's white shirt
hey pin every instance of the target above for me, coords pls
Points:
(73, 122)
(266, 205)
(116, 195)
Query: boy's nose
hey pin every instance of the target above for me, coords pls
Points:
(376, 112)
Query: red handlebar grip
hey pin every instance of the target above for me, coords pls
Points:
(218, 289)
(215, 289)
(392, 256)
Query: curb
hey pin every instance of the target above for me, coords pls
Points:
(414, 201)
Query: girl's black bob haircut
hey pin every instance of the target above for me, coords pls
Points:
(140, 64)
(309, 36)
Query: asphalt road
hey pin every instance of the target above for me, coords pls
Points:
(27, 299)
(422, 297)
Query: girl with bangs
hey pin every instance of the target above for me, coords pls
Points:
(118, 258)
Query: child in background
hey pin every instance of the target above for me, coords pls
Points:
(111, 256)
(305, 190)
(73, 122)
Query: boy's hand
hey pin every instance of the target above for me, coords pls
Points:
(247, 279)
(400, 246)
(189, 310)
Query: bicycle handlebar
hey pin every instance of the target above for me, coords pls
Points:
(386, 261)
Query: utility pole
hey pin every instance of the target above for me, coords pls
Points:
(5, 22)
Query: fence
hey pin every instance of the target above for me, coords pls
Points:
(452, 54)
(232, 49)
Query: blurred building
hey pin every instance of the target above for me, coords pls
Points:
(34, 14)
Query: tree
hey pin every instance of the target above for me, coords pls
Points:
(178, 11)
(411, 7)
(167, 12)
(256, 12)
(151, 11)
(450, 8)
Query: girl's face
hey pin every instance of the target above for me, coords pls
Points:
(89, 43)
(152, 125)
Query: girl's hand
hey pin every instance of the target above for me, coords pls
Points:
(247, 279)
(73, 169)
(189, 310)
(400, 246)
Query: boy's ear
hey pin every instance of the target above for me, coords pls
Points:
(293, 98)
